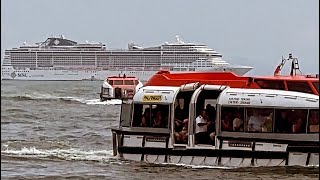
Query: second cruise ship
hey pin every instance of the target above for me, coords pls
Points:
(59, 58)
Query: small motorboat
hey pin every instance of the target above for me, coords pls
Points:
(119, 87)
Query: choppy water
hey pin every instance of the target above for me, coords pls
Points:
(60, 130)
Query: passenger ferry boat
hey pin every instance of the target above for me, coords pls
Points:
(296, 81)
(215, 125)
(59, 58)
(119, 87)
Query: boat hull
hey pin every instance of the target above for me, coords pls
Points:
(9, 73)
(157, 148)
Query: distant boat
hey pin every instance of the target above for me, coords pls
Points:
(59, 58)
(119, 87)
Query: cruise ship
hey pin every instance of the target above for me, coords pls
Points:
(59, 58)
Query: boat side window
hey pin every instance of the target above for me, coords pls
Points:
(126, 112)
(299, 86)
(271, 84)
(110, 82)
(290, 120)
(232, 119)
(313, 121)
(118, 82)
(316, 85)
(128, 82)
(141, 115)
(149, 115)
(259, 119)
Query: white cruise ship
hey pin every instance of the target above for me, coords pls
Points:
(59, 58)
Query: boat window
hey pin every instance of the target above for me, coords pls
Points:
(136, 82)
(150, 115)
(118, 82)
(259, 119)
(299, 86)
(128, 82)
(270, 84)
(232, 119)
(290, 120)
(110, 82)
(316, 85)
(313, 121)
(125, 118)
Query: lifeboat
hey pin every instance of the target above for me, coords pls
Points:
(119, 87)
(294, 82)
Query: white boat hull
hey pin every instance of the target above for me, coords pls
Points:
(9, 73)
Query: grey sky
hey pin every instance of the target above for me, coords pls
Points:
(247, 32)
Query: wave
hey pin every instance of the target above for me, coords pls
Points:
(50, 97)
(64, 154)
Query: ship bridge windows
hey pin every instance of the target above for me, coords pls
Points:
(150, 115)
(299, 86)
(128, 82)
(118, 82)
(110, 82)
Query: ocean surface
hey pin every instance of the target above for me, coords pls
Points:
(61, 130)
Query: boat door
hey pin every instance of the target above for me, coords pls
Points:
(179, 120)
(204, 99)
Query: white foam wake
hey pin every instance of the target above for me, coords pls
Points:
(67, 154)
(46, 96)
(108, 102)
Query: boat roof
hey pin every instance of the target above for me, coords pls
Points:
(122, 78)
(163, 78)
(268, 97)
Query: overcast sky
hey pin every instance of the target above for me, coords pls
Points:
(247, 32)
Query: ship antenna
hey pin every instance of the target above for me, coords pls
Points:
(177, 38)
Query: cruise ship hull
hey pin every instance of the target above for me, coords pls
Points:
(9, 73)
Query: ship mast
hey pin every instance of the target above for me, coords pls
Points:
(294, 66)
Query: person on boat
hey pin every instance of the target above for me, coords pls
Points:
(145, 118)
(314, 121)
(158, 120)
(201, 128)
(227, 122)
(237, 122)
(211, 129)
(256, 122)
(182, 136)
(298, 122)
(179, 117)
(282, 123)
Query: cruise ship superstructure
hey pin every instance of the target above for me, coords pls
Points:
(59, 58)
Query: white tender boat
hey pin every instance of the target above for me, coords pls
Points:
(251, 127)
